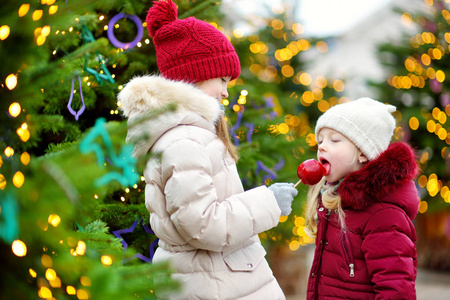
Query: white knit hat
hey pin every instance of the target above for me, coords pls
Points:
(366, 122)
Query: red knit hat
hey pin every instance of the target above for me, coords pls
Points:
(189, 49)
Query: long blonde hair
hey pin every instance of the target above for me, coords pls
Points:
(222, 133)
(330, 199)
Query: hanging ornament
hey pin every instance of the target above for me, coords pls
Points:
(124, 160)
(9, 224)
(118, 234)
(88, 38)
(270, 172)
(69, 105)
(112, 38)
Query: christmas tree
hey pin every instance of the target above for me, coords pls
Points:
(418, 64)
(73, 221)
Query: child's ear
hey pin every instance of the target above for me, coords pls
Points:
(362, 158)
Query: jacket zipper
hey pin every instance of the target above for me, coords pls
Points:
(348, 253)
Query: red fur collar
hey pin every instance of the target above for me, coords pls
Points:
(380, 177)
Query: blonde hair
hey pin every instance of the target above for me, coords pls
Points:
(330, 200)
(222, 133)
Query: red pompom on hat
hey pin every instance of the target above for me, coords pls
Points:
(189, 49)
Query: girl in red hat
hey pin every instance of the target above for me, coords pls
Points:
(206, 223)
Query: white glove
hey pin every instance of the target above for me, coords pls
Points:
(284, 193)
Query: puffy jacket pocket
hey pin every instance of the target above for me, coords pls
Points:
(245, 259)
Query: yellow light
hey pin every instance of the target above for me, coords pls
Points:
(71, 290)
(19, 248)
(440, 76)
(297, 28)
(45, 30)
(46, 261)
(311, 140)
(45, 293)
(14, 109)
(294, 245)
(423, 207)
(40, 40)
(283, 128)
(85, 281)
(308, 97)
(82, 294)
(406, 18)
(431, 126)
(287, 71)
(54, 220)
(11, 81)
(56, 283)
(50, 274)
(52, 9)
(338, 85)
(9, 151)
(426, 59)
(238, 33)
(422, 181)
(433, 186)
(32, 273)
(322, 46)
(43, 2)
(50, 2)
(305, 79)
(24, 134)
(283, 219)
(81, 248)
(37, 14)
(2, 182)
(299, 221)
(18, 179)
(25, 158)
(414, 123)
(23, 9)
(4, 32)
(106, 260)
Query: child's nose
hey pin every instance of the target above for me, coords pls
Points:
(225, 93)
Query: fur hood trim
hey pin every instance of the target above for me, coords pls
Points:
(379, 177)
(145, 93)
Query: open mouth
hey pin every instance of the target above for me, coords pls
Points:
(326, 165)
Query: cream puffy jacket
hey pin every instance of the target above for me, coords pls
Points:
(207, 225)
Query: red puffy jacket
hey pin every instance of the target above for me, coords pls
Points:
(375, 258)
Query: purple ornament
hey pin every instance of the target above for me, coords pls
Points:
(115, 41)
(118, 234)
(69, 105)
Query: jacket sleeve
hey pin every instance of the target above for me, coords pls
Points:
(201, 218)
(390, 253)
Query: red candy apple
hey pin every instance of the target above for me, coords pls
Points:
(310, 172)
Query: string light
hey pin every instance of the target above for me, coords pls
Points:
(54, 220)
(9, 151)
(4, 32)
(14, 109)
(52, 9)
(19, 248)
(23, 9)
(11, 81)
(18, 179)
(106, 260)
(37, 14)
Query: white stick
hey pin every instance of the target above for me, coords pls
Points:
(298, 182)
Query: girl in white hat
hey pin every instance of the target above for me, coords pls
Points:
(361, 212)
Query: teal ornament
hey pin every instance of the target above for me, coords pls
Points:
(9, 223)
(88, 38)
(124, 161)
